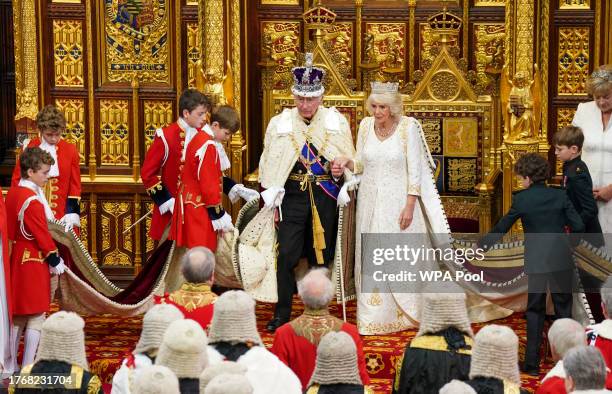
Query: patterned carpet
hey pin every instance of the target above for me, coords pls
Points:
(109, 338)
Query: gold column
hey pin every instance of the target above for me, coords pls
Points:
(607, 56)
(466, 27)
(543, 53)
(358, 36)
(213, 24)
(524, 36)
(26, 65)
(91, 102)
(136, 129)
(411, 49)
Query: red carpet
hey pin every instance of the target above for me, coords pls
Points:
(109, 337)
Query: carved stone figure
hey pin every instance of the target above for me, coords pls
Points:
(521, 105)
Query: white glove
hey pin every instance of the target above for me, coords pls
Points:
(168, 206)
(58, 269)
(273, 197)
(240, 191)
(71, 220)
(224, 223)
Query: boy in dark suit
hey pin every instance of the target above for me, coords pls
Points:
(544, 213)
(579, 186)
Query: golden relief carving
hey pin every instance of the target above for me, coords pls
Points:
(214, 34)
(280, 2)
(573, 60)
(565, 116)
(127, 237)
(193, 53)
(68, 52)
(444, 86)
(524, 35)
(489, 40)
(432, 128)
(135, 39)
(156, 114)
(282, 40)
(387, 47)
(236, 55)
(430, 45)
(339, 36)
(575, 4)
(114, 132)
(461, 137)
(461, 175)
(544, 54)
(74, 112)
(26, 63)
(461, 207)
(489, 3)
(112, 213)
(521, 105)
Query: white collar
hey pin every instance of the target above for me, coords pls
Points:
(190, 132)
(209, 131)
(40, 196)
(557, 371)
(183, 125)
(52, 150)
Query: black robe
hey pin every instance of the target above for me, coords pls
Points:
(340, 388)
(493, 386)
(431, 361)
(50, 373)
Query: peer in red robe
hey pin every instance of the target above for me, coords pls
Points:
(295, 343)
(195, 300)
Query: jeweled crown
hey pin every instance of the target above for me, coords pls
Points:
(308, 79)
(606, 75)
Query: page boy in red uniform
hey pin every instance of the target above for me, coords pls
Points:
(165, 158)
(34, 255)
(63, 191)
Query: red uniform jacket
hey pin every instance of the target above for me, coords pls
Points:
(64, 191)
(32, 244)
(195, 301)
(5, 253)
(300, 353)
(165, 155)
(199, 199)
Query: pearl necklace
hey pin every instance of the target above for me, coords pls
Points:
(385, 132)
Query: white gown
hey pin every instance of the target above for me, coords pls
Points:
(597, 154)
(391, 170)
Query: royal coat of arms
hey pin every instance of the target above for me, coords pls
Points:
(136, 40)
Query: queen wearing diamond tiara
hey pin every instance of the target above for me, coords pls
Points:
(595, 120)
(393, 161)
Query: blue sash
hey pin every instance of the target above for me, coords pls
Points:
(317, 168)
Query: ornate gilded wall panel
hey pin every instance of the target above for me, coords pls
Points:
(489, 51)
(427, 43)
(214, 31)
(116, 216)
(340, 37)
(150, 243)
(68, 52)
(489, 3)
(575, 4)
(114, 132)
(135, 39)
(573, 60)
(565, 116)
(388, 44)
(460, 174)
(281, 40)
(280, 2)
(156, 114)
(74, 112)
(193, 53)
(432, 128)
(524, 35)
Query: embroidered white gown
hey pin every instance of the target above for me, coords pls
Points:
(391, 171)
(597, 154)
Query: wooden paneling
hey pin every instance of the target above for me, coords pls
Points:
(7, 91)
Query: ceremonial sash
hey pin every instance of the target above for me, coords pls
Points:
(329, 187)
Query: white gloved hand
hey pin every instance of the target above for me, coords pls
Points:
(168, 206)
(240, 191)
(224, 223)
(70, 220)
(273, 197)
(58, 269)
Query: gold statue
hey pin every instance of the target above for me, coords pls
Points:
(521, 105)
(370, 53)
(215, 85)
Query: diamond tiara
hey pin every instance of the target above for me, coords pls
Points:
(384, 87)
(602, 74)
